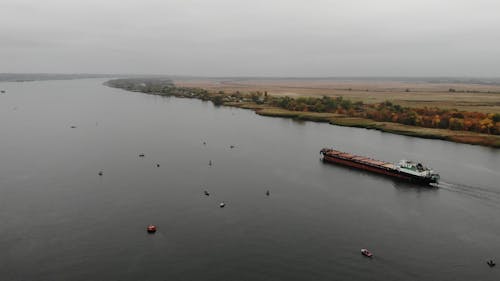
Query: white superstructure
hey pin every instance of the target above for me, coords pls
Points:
(416, 169)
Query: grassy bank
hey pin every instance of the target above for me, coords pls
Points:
(394, 128)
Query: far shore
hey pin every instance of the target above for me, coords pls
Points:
(489, 98)
(462, 94)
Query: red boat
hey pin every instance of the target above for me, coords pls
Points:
(366, 253)
(151, 228)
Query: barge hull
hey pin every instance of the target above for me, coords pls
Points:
(379, 169)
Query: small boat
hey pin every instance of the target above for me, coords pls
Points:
(207, 193)
(491, 263)
(151, 228)
(222, 205)
(210, 163)
(101, 173)
(158, 165)
(268, 193)
(141, 155)
(366, 253)
(72, 127)
(3, 91)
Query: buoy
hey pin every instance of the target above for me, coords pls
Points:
(268, 193)
(204, 143)
(207, 193)
(100, 173)
(158, 165)
(232, 146)
(222, 205)
(210, 163)
(151, 228)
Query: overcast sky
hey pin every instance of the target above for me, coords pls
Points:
(252, 38)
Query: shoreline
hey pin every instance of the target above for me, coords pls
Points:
(465, 137)
(387, 127)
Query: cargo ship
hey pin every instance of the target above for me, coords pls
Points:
(403, 170)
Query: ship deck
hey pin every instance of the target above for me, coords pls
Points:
(359, 159)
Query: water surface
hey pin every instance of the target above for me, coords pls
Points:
(62, 221)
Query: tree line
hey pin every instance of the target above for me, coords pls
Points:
(429, 117)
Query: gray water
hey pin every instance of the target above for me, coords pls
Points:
(60, 220)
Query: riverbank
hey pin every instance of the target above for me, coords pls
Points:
(389, 127)
(258, 103)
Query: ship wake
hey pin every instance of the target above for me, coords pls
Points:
(481, 193)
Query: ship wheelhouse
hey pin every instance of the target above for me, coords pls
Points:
(416, 169)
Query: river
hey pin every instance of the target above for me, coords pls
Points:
(60, 220)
